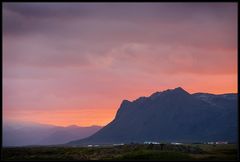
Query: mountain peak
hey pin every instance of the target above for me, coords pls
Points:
(124, 102)
(179, 89)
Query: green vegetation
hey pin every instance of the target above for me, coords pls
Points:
(125, 152)
(217, 152)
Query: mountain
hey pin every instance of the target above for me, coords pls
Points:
(66, 134)
(20, 134)
(23, 134)
(171, 115)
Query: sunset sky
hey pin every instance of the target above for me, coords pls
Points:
(74, 63)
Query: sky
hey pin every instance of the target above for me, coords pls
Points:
(74, 63)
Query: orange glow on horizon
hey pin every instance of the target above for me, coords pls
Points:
(65, 118)
(100, 116)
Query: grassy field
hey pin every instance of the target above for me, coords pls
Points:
(125, 152)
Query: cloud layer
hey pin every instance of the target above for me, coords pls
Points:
(72, 57)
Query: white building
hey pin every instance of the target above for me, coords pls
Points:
(176, 143)
(150, 142)
(221, 142)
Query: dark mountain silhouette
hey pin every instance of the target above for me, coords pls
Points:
(171, 115)
(22, 134)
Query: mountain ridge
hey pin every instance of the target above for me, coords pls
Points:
(170, 115)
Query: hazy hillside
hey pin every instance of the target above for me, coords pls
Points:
(21, 134)
(66, 134)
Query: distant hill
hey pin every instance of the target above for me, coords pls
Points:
(23, 134)
(171, 115)
(66, 134)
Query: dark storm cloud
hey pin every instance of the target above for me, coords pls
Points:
(81, 34)
(29, 17)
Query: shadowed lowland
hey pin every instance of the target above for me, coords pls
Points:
(126, 152)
